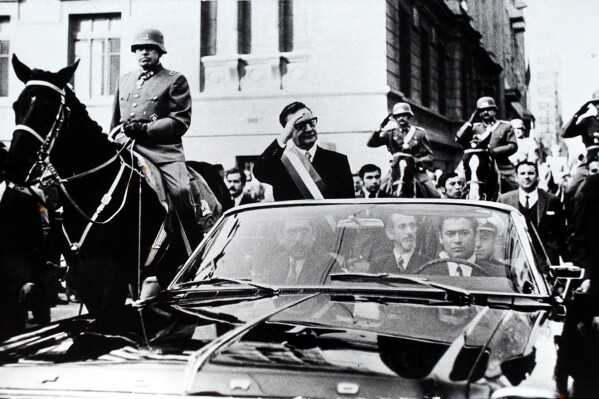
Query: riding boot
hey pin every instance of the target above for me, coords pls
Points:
(192, 231)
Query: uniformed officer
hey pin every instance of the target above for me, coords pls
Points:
(496, 135)
(408, 139)
(153, 105)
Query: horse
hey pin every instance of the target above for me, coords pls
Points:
(111, 217)
(483, 181)
(401, 182)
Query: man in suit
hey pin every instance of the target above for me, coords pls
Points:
(458, 235)
(298, 260)
(236, 180)
(408, 139)
(400, 257)
(297, 167)
(371, 179)
(495, 135)
(153, 107)
(542, 210)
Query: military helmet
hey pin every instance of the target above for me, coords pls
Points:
(148, 36)
(485, 102)
(402, 108)
(517, 123)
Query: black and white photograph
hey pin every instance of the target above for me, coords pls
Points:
(299, 199)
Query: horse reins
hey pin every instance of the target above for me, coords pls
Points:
(43, 160)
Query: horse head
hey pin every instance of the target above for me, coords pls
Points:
(402, 175)
(482, 175)
(39, 112)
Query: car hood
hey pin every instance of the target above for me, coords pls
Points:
(315, 345)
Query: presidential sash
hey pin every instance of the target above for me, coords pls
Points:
(303, 174)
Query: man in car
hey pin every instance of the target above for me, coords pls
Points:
(450, 185)
(542, 210)
(299, 260)
(371, 178)
(400, 256)
(297, 167)
(488, 231)
(458, 239)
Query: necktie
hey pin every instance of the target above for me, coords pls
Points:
(526, 203)
(292, 276)
(400, 263)
(308, 156)
(371, 195)
(459, 271)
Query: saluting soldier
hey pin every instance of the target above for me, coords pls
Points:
(153, 104)
(496, 135)
(408, 139)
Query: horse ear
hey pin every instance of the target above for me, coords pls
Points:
(23, 71)
(66, 73)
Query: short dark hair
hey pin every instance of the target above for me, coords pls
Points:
(242, 175)
(291, 109)
(534, 165)
(368, 168)
(472, 220)
(444, 177)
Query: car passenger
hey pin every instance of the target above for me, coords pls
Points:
(401, 255)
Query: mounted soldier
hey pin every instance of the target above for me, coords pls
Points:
(412, 154)
(153, 107)
(494, 137)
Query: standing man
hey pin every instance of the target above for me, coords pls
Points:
(495, 135)
(297, 167)
(371, 178)
(542, 210)
(357, 185)
(526, 145)
(450, 185)
(236, 180)
(408, 139)
(153, 105)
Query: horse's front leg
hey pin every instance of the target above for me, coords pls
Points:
(474, 189)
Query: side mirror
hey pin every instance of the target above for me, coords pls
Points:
(568, 271)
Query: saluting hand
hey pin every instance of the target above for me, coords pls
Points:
(385, 121)
(289, 129)
(473, 116)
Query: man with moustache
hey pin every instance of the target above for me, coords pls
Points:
(153, 107)
(541, 209)
(495, 135)
(400, 257)
(408, 139)
(236, 180)
(297, 167)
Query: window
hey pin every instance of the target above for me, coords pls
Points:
(244, 27)
(207, 36)
(405, 54)
(464, 77)
(285, 26)
(95, 40)
(425, 68)
(4, 50)
(441, 80)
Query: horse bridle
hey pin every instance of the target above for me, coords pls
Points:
(52, 178)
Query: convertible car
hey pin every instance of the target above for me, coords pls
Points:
(356, 298)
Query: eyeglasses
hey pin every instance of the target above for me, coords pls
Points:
(593, 171)
(302, 125)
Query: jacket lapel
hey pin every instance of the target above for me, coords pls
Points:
(541, 208)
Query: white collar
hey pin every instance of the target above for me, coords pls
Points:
(533, 197)
(406, 257)
(467, 270)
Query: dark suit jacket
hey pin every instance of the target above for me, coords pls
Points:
(493, 268)
(585, 241)
(502, 141)
(332, 167)
(550, 223)
(381, 194)
(246, 199)
(585, 128)
(385, 262)
(312, 272)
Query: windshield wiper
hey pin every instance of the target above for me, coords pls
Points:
(218, 280)
(462, 294)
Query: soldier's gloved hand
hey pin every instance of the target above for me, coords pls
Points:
(384, 122)
(136, 130)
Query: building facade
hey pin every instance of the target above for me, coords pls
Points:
(348, 60)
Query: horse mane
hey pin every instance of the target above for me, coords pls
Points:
(79, 115)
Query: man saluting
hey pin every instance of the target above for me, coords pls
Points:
(297, 167)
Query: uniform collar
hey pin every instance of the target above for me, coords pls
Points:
(151, 72)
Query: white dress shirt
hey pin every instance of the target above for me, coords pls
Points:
(533, 197)
(405, 257)
(466, 270)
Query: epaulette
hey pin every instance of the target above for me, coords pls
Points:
(171, 73)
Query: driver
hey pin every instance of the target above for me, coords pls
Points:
(458, 239)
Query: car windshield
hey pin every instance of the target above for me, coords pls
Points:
(473, 247)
